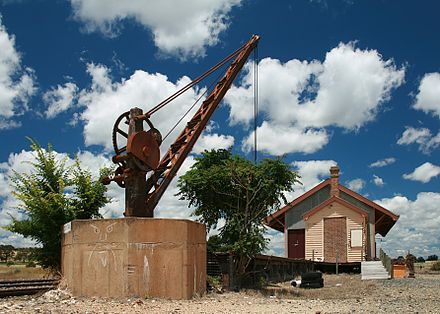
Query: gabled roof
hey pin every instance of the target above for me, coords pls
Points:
(276, 219)
(331, 200)
(384, 219)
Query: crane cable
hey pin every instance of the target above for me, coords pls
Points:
(193, 105)
(193, 83)
(255, 102)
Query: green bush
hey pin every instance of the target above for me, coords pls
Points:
(31, 264)
(436, 266)
(214, 281)
(50, 195)
(9, 263)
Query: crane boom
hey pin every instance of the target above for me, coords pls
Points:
(179, 150)
(141, 154)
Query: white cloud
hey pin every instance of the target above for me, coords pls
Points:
(312, 173)
(423, 173)
(421, 136)
(275, 246)
(383, 162)
(378, 181)
(345, 90)
(106, 100)
(16, 83)
(182, 28)
(211, 141)
(417, 228)
(60, 99)
(170, 206)
(356, 184)
(428, 97)
(413, 135)
(279, 140)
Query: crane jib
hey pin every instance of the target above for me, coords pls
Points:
(140, 155)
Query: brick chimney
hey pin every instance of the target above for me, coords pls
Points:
(334, 181)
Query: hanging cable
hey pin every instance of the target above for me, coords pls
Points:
(255, 101)
(192, 84)
(195, 103)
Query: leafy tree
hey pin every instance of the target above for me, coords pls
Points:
(225, 187)
(420, 259)
(432, 258)
(51, 195)
(215, 244)
(6, 253)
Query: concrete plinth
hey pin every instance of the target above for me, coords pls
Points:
(135, 257)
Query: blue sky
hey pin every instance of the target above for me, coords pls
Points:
(353, 83)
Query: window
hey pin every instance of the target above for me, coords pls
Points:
(356, 238)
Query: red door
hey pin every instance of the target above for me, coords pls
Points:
(296, 246)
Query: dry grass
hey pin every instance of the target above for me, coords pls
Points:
(22, 272)
(425, 268)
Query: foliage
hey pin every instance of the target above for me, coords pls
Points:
(51, 195)
(215, 244)
(432, 258)
(436, 266)
(25, 255)
(6, 253)
(420, 259)
(262, 281)
(214, 281)
(228, 188)
(31, 264)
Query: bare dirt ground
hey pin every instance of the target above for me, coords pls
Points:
(341, 294)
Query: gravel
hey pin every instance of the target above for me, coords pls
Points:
(341, 294)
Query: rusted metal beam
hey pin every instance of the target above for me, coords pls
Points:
(135, 181)
(176, 154)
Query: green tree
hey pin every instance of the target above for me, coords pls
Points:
(6, 253)
(432, 257)
(420, 259)
(51, 195)
(225, 187)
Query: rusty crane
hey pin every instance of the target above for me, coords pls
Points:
(141, 154)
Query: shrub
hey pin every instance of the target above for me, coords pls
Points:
(214, 281)
(50, 195)
(436, 266)
(432, 258)
(31, 264)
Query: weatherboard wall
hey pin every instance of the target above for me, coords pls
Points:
(294, 216)
(315, 232)
(371, 230)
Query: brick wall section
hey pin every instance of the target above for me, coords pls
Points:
(335, 240)
(334, 181)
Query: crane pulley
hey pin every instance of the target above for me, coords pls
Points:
(141, 154)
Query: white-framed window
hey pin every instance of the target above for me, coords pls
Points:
(356, 237)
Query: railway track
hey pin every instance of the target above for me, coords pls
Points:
(22, 287)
